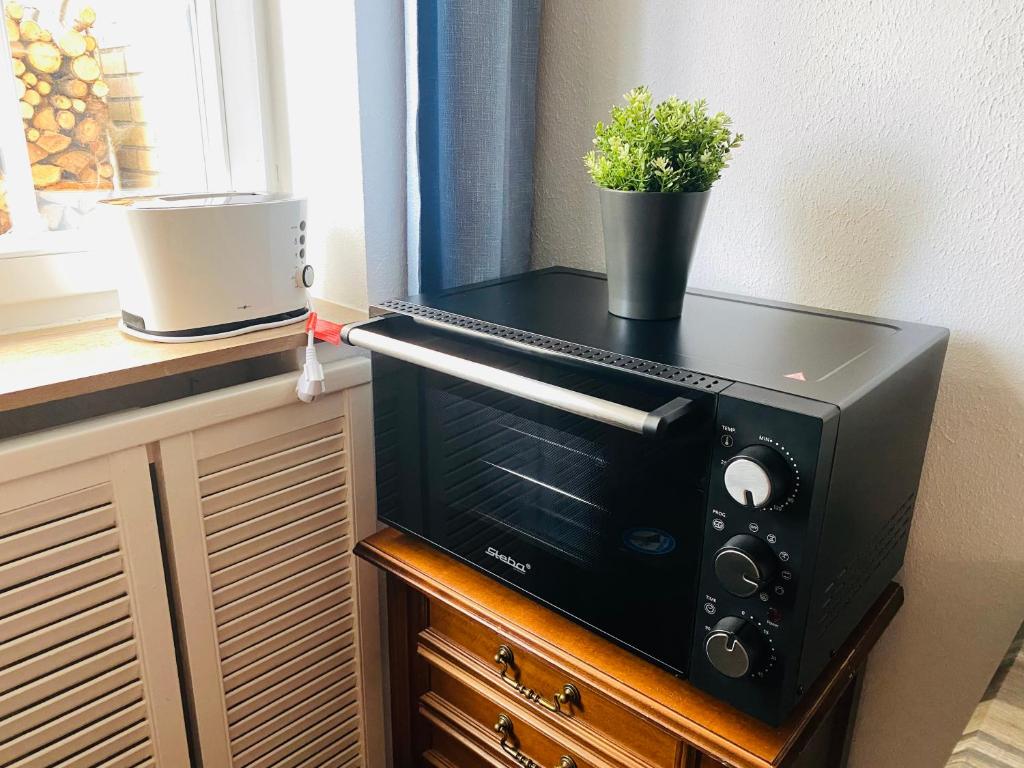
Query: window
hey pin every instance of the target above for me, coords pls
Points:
(115, 97)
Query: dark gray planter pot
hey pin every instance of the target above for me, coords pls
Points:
(649, 239)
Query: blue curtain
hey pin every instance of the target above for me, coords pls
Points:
(476, 65)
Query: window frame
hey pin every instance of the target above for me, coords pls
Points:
(229, 42)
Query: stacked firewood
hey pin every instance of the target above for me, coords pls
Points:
(62, 98)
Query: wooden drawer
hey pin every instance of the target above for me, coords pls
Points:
(585, 714)
(452, 749)
(470, 712)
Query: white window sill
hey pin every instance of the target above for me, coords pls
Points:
(41, 289)
(13, 246)
(80, 358)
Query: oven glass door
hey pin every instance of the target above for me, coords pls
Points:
(599, 522)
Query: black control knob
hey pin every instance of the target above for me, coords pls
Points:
(735, 647)
(744, 565)
(757, 476)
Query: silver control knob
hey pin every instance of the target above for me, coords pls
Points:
(735, 647)
(757, 476)
(744, 565)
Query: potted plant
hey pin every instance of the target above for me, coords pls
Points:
(654, 165)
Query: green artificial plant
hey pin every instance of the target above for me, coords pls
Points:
(673, 146)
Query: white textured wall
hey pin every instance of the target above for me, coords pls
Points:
(883, 173)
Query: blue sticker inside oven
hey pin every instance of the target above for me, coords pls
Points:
(649, 541)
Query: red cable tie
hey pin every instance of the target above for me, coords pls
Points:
(327, 331)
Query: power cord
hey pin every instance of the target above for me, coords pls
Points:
(311, 382)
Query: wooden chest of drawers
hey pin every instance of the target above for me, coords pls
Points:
(482, 676)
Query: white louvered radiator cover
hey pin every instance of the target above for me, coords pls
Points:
(84, 624)
(260, 499)
(271, 535)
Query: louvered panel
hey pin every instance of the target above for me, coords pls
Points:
(283, 665)
(333, 685)
(343, 753)
(292, 720)
(96, 734)
(269, 465)
(252, 673)
(267, 528)
(76, 720)
(20, 545)
(52, 560)
(260, 506)
(75, 684)
(45, 687)
(132, 736)
(74, 626)
(49, 510)
(348, 758)
(252, 451)
(61, 608)
(35, 592)
(334, 604)
(281, 748)
(308, 669)
(328, 582)
(271, 642)
(332, 534)
(53, 707)
(289, 531)
(254, 489)
(139, 756)
(338, 729)
(282, 580)
(82, 650)
(332, 498)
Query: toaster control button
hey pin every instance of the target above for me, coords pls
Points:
(735, 647)
(744, 565)
(757, 476)
(304, 276)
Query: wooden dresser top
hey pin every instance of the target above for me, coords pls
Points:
(705, 722)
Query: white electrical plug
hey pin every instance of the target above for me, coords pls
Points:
(311, 382)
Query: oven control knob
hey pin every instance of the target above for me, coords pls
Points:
(757, 476)
(744, 565)
(735, 647)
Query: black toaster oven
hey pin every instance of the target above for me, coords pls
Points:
(726, 494)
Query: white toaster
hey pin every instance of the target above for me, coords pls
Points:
(204, 266)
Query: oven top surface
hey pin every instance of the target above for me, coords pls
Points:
(801, 350)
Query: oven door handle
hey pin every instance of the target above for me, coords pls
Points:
(650, 423)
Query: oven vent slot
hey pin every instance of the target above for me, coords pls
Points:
(600, 356)
(847, 584)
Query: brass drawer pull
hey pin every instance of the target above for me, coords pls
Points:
(510, 746)
(569, 695)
